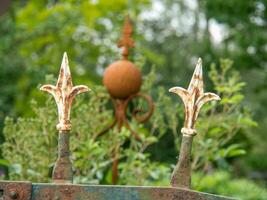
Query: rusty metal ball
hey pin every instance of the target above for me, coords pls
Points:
(122, 79)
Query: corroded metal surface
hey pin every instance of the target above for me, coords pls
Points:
(64, 94)
(95, 192)
(181, 176)
(62, 171)
(193, 98)
(15, 190)
(117, 193)
(122, 78)
(120, 119)
(126, 41)
(123, 81)
(121, 110)
(136, 112)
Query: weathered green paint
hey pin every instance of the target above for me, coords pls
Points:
(181, 176)
(62, 172)
(101, 192)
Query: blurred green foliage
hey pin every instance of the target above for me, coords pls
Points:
(10, 68)
(30, 146)
(88, 31)
(224, 130)
(169, 35)
(221, 182)
(180, 31)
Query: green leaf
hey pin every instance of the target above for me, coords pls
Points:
(4, 162)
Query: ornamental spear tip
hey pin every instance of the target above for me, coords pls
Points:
(64, 79)
(64, 93)
(197, 79)
(193, 98)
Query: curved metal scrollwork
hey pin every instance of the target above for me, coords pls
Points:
(120, 119)
(136, 112)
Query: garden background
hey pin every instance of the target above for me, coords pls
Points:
(229, 155)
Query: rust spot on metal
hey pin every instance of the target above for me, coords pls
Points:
(16, 190)
(193, 98)
(121, 120)
(97, 192)
(123, 81)
(146, 115)
(122, 78)
(64, 93)
(62, 172)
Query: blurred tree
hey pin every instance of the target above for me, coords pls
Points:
(10, 67)
(87, 30)
(180, 31)
(244, 40)
(34, 34)
(221, 182)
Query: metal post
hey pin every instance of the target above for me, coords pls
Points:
(181, 176)
(63, 167)
(193, 98)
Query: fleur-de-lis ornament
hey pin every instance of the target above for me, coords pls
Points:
(193, 98)
(64, 94)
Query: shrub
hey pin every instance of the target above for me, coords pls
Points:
(221, 182)
(30, 146)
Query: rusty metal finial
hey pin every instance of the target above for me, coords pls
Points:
(123, 81)
(193, 98)
(126, 41)
(64, 94)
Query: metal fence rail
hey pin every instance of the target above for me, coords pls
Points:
(28, 191)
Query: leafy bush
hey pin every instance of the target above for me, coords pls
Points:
(31, 142)
(224, 128)
(221, 182)
(31, 146)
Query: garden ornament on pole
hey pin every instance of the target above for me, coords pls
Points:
(193, 98)
(123, 81)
